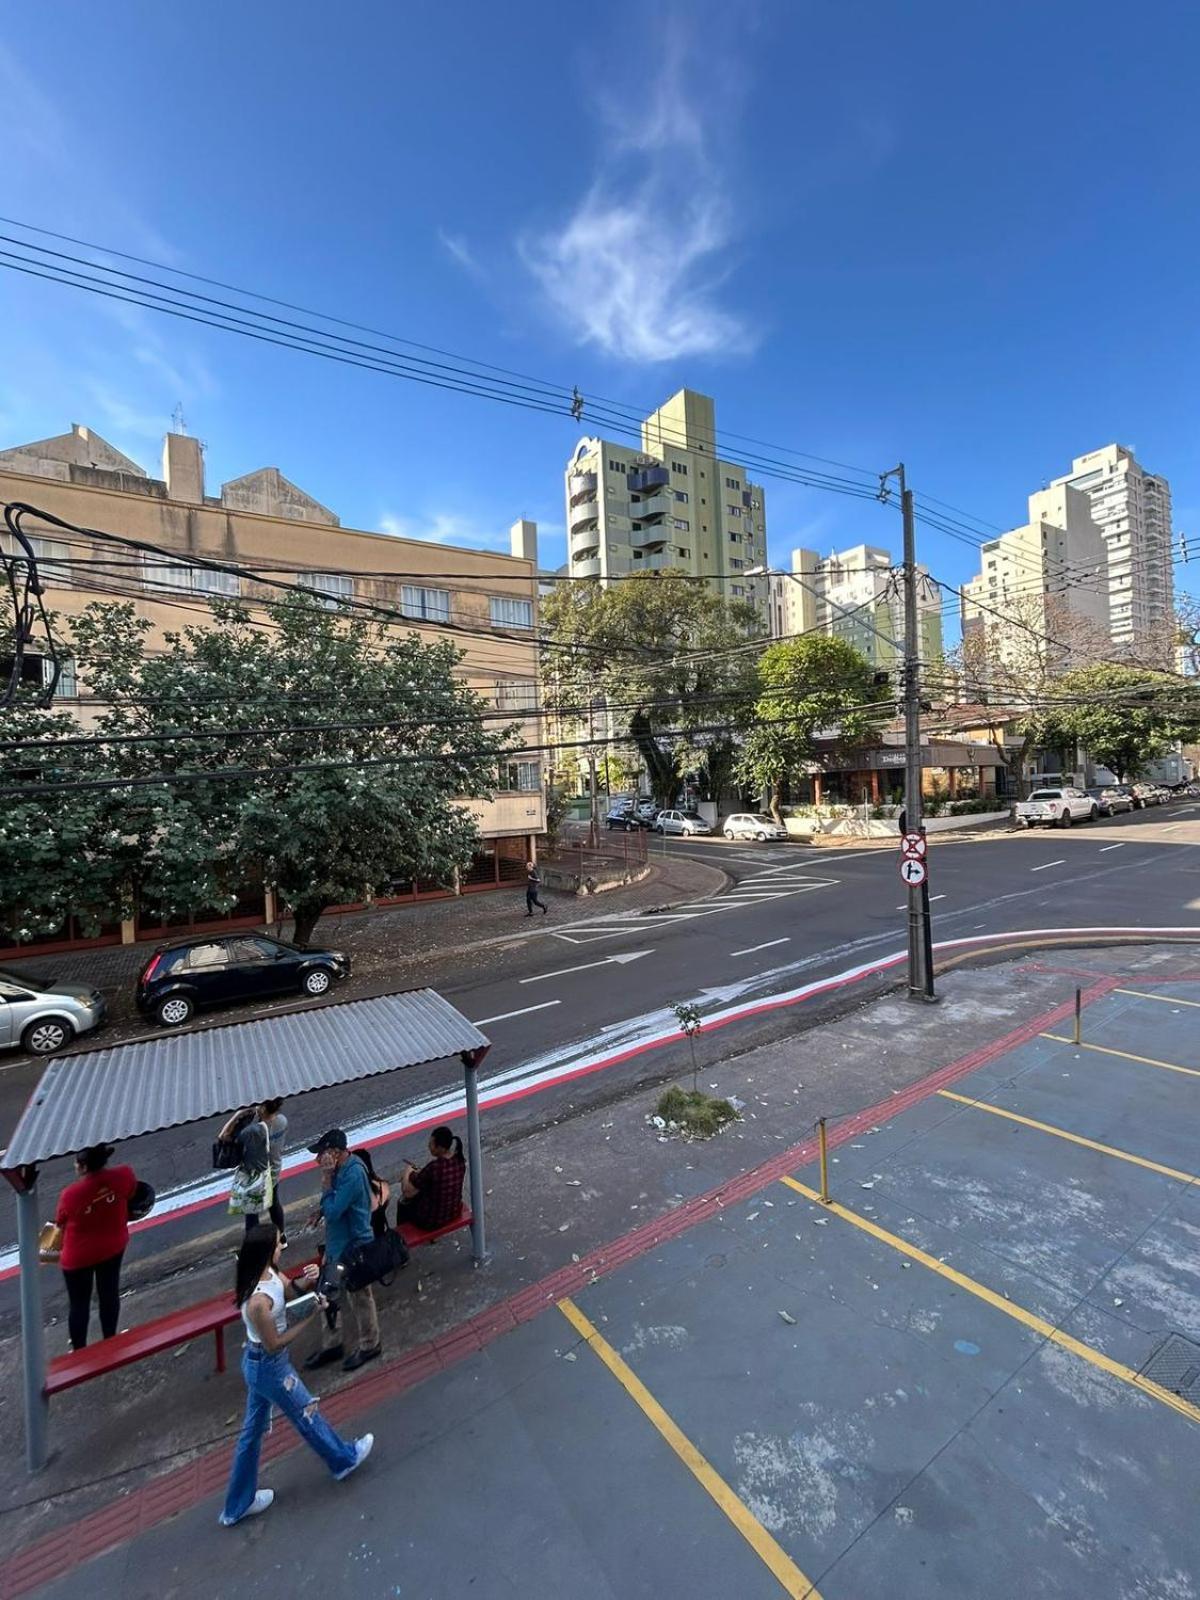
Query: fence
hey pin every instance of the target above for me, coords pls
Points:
(574, 863)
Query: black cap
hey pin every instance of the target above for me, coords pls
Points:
(335, 1139)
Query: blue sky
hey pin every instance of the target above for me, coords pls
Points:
(962, 235)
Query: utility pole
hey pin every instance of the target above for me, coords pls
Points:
(920, 930)
(593, 797)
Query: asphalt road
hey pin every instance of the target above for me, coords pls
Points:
(550, 996)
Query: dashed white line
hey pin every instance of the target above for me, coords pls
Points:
(769, 945)
(524, 1012)
(1047, 864)
(1120, 846)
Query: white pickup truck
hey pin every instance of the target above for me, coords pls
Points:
(1056, 808)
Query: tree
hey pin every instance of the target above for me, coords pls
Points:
(1008, 664)
(1125, 717)
(322, 751)
(668, 658)
(808, 687)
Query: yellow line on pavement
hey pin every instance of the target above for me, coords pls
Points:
(1125, 1055)
(773, 1556)
(1164, 999)
(1074, 1138)
(1085, 1352)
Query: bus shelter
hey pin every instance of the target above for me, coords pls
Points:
(146, 1086)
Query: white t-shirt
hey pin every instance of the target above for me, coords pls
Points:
(271, 1284)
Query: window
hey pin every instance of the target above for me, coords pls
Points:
(189, 579)
(685, 552)
(733, 511)
(737, 589)
(53, 557)
(734, 537)
(616, 466)
(205, 957)
(681, 496)
(520, 777)
(732, 483)
(330, 587)
(736, 564)
(247, 950)
(507, 613)
(516, 695)
(66, 688)
(679, 522)
(430, 605)
(681, 468)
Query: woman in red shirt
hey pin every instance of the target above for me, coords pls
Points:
(93, 1213)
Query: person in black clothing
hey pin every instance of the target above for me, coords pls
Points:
(533, 882)
(381, 1193)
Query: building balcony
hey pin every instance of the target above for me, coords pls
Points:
(581, 486)
(655, 505)
(585, 541)
(643, 478)
(585, 569)
(651, 538)
(584, 516)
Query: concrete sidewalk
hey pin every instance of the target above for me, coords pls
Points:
(524, 1447)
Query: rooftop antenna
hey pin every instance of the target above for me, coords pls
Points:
(178, 423)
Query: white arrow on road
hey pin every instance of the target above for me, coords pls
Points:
(631, 955)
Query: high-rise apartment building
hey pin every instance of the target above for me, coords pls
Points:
(1132, 510)
(1041, 577)
(673, 503)
(855, 595)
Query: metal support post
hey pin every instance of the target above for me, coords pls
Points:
(920, 933)
(475, 1159)
(1078, 1015)
(33, 1339)
(824, 1149)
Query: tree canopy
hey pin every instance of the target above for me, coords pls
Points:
(667, 657)
(321, 751)
(1125, 717)
(814, 685)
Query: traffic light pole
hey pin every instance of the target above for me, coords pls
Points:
(920, 928)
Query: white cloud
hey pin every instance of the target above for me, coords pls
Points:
(446, 527)
(638, 265)
(457, 248)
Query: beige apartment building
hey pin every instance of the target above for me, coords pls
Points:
(671, 503)
(1132, 509)
(265, 522)
(855, 595)
(1048, 574)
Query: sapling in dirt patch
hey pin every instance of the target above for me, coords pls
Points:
(690, 1021)
(692, 1113)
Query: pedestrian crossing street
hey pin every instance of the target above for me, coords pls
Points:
(759, 888)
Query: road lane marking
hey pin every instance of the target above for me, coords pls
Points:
(1047, 865)
(1072, 1138)
(1125, 1055)
(524, 1012)
(588, 966)
(1120, 846)
(1163, 999)
(1030, 1319)
(773, 1556)
(769, 944)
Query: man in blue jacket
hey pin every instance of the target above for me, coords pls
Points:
(346, 1209)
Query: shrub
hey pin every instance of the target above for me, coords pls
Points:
(693, 1113)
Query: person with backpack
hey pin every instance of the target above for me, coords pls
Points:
(262, 1295)
(256, 1137)
(346, 1206)
(381, 1193)
(93, 1218)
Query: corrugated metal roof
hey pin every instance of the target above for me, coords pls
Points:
(130, 1089)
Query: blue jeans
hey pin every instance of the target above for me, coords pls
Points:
(271, 1380)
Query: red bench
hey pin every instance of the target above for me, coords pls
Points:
(180, 1327)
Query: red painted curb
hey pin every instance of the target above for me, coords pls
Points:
(163, 1497)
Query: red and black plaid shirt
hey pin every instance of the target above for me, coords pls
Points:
(439, 1191)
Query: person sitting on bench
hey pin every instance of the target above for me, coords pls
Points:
(433, 1193)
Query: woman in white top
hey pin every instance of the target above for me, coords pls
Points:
(272, 1380)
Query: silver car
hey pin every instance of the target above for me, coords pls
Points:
(753, 825)
(41, 1017)
(687, 823)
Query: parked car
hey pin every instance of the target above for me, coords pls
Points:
(1112, 800)
(208, 970)
(753, 825)
(1056, 808)
(630, 817)
(41, 1015)
(687, 823)
(1136, 803)
(1148, 793)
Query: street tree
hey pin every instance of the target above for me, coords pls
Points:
(669, 660)
(1125, 717)
(320, 751)
(815, 687)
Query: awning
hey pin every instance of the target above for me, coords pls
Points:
(103, 1096)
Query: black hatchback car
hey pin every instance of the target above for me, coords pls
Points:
(215, 970)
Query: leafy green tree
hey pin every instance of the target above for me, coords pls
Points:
(1124, 717)
(811, 686)
(322, 751)
(667, 656)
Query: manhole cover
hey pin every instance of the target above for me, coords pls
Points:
(1175, 1365)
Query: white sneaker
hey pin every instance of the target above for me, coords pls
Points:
(262, 1501)
(362, 1449)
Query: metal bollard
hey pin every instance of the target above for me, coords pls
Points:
(824, 1161)
(1078, 1015)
